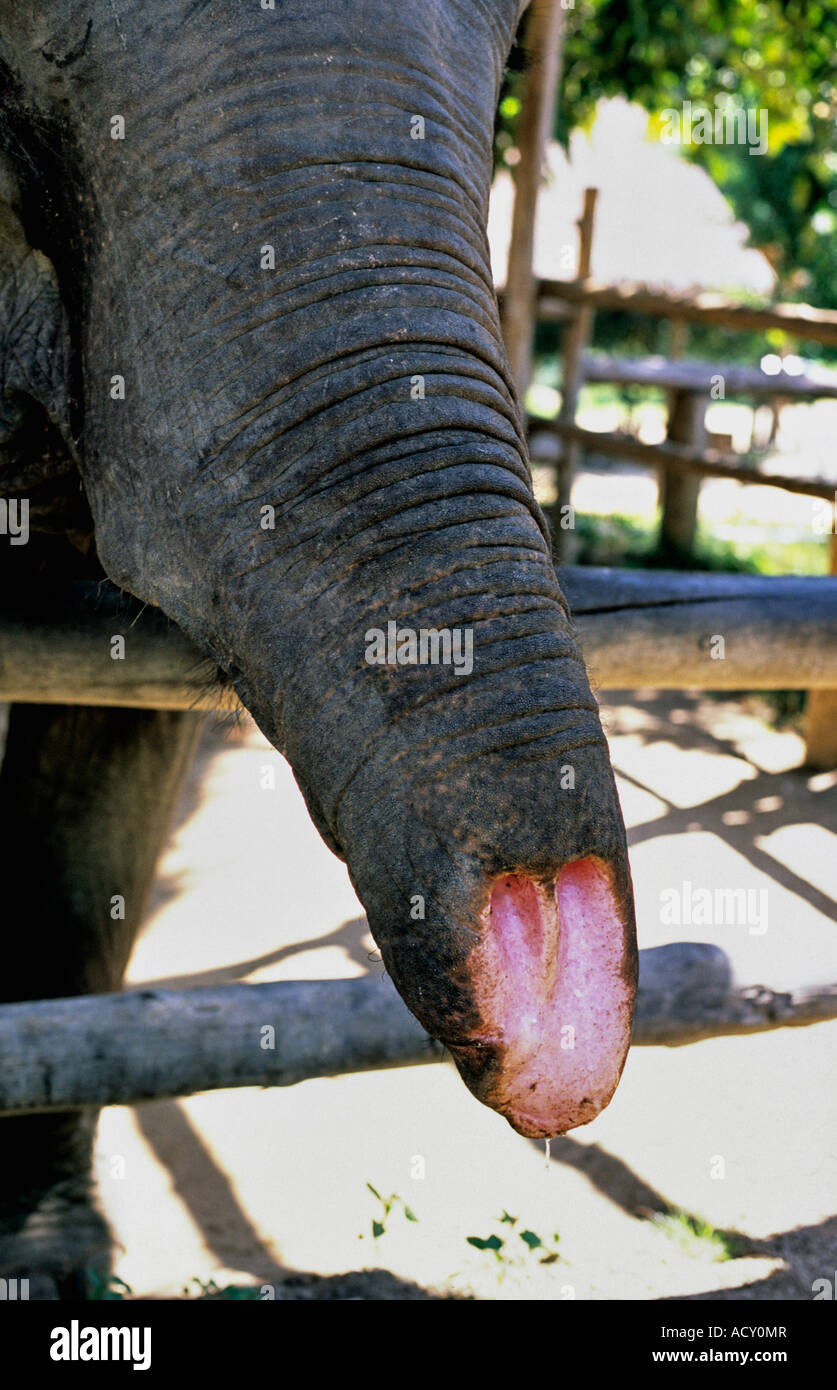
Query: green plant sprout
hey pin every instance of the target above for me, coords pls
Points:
(102, 1286)
(697, 1237)
(508, 1254)
(388, 1205)
(207, 1288)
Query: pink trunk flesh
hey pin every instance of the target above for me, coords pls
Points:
(554, 994)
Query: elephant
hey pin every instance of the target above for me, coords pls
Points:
(253, 373)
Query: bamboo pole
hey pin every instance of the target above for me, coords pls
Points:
(683, 459)
(544, 42)
(821, 710)
(802, 320)
(674, 375)
(576, 340)
(681, 490)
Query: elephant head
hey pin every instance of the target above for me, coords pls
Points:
(283, 380)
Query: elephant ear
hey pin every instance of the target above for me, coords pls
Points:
(37, 457)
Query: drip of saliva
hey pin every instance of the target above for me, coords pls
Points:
(546, 1144)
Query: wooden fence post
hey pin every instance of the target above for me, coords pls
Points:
(544, 42)
(680, 491)
(577, 335)
(821, 711)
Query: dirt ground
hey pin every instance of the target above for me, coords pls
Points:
(713, 1174)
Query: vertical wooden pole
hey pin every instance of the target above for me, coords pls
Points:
(680, 492)
(821, 710)
(677, 343)
(577, 335)
(544, 41)
(679, 495)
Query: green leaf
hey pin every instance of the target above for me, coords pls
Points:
(410, 1215)
(375, 1192)
(105, 1287)
(378, 1229)
(531, 1239)
(512, 1220)
(490, 1243)
(549, 1259)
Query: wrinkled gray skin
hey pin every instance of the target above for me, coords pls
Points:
(291, 387)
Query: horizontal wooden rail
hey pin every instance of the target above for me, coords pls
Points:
(154, 1044)
(646, 628)
(703, 377)
(680, 457)
(636, 628)
(60, 650)
(801, 320)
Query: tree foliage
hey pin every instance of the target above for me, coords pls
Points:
(778, 56)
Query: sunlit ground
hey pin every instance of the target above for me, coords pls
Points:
(738, 1133)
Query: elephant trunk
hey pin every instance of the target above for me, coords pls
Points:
(317, 466)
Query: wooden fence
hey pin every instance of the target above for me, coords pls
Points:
(155, 1044)
(635, 628)
(684, 458)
